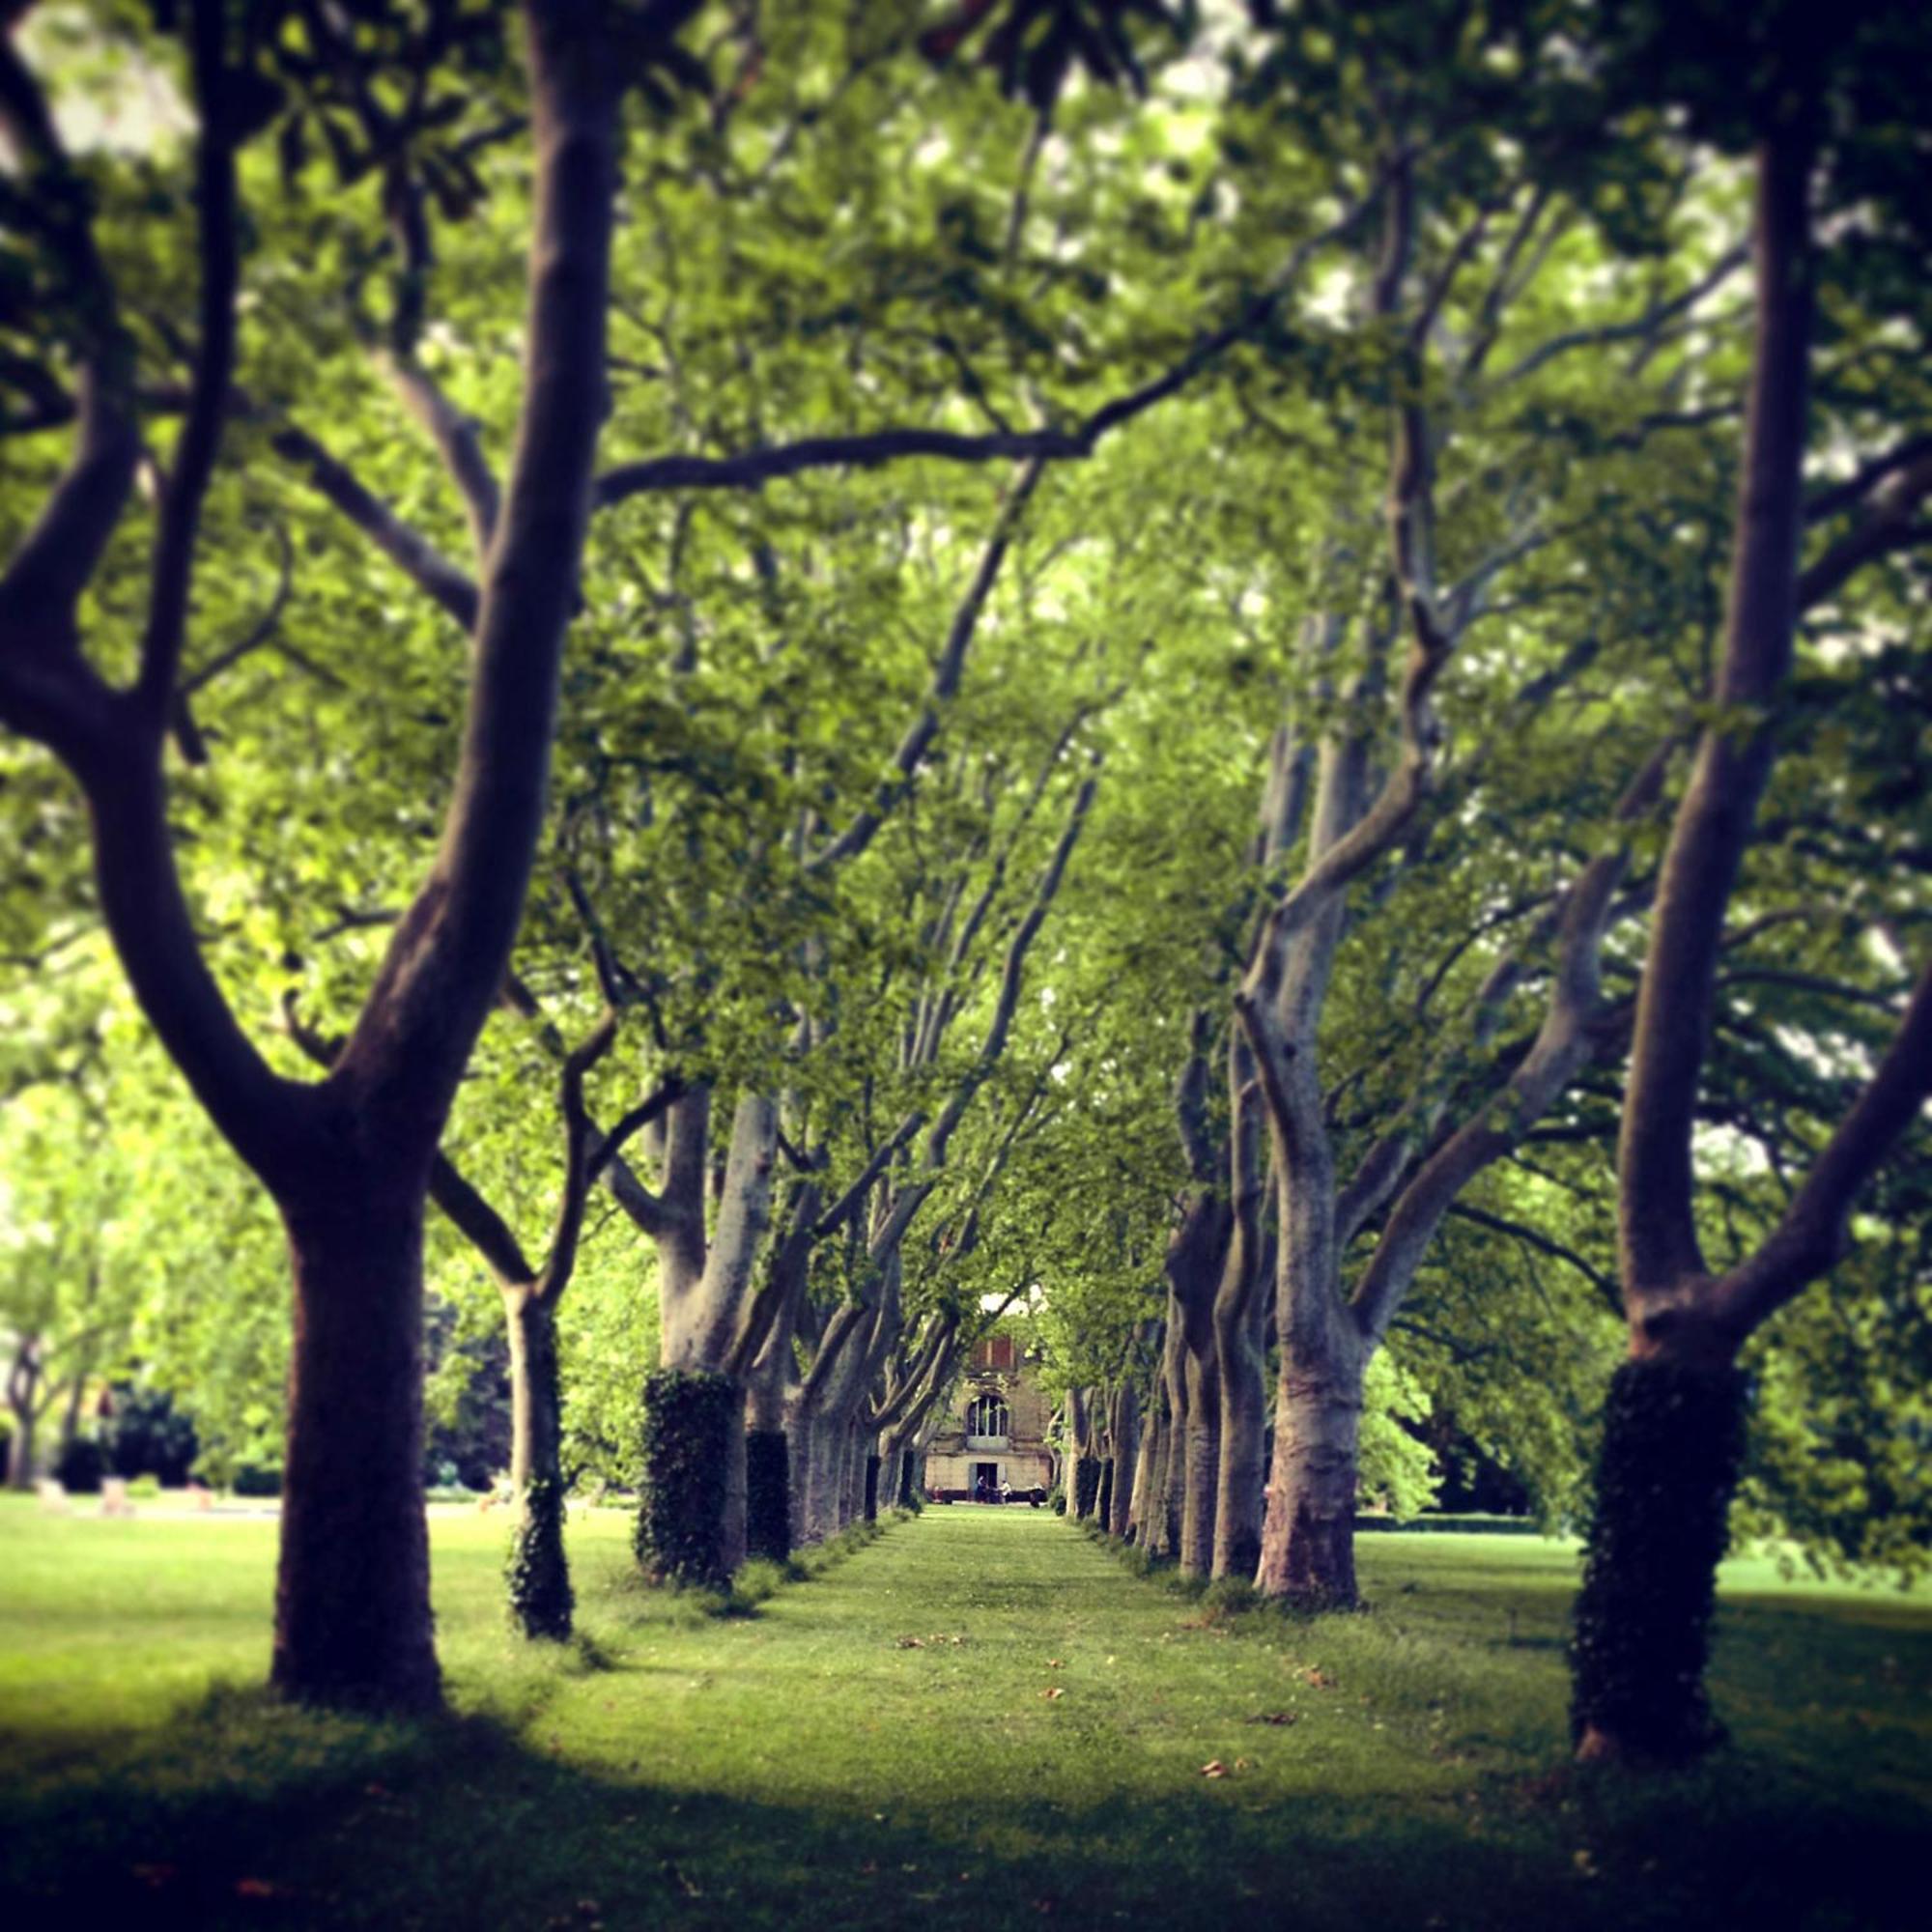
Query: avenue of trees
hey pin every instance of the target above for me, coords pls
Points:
(694, 698)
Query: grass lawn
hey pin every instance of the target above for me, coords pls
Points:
(806, 1762)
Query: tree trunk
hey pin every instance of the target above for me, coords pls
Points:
(694, 1459)
(1673, 1441)
(768, 1495)
(1126, 1459)
(1103, 1500)
(1148, 1472)
(1308, 1543)
(1243, 1446)
(872, 1489)
(541, 1599)
(20, 1451)
(352, 1623)
(816, 1484)
(1201, 1466)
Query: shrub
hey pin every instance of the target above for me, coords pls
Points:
(151, 1437)
(80, 1466)
(256, 1479)
(145, 1488)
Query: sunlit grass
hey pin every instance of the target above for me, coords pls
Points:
(874, 1745)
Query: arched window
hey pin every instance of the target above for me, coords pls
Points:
(987, 1416)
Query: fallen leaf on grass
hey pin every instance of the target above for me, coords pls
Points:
(1056, 1663)
(1275, 1717)
(1053, 1691)
(910, 1642)
(1214, 1767)
(1317, 1677)
(256, 1887)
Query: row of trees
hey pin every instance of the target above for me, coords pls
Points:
(1080, 424)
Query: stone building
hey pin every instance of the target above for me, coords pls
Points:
(995, 1430)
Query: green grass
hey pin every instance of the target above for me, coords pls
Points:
(793, 1756)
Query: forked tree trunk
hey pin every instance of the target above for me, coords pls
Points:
(541, 1599)
(352, 1622)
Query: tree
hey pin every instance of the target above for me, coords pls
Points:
(1674, 1428)
(346, 1160)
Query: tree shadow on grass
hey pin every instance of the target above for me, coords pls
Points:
(245, 1813)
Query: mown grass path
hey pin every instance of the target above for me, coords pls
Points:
(980, 1720)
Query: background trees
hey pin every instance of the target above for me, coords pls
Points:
(1135, 628)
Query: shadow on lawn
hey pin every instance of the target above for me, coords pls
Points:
(246, 1814)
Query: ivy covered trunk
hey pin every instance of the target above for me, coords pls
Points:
(1308, 1543)
(538, 1573)
(1086, 1485)
(767, 1494)
(1673, 1440)
(352, 1624)
(693, 1439)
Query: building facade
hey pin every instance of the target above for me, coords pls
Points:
(994, 1434)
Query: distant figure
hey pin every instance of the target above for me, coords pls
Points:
(1005, 1492)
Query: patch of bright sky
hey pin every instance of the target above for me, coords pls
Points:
(103, 93)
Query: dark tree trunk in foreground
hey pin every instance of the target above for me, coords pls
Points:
(347, 1161)
(1673, 1440)
(1673, 1433)
(352, 1589)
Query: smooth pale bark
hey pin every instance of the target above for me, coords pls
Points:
(1240, 1318)
(1308, 1554)
(1196, 1256)
(1163, 1523)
